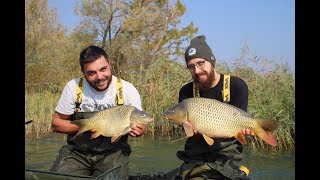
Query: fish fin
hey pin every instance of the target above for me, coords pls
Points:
(115, 138)
(95, 135)
(78, 133)
(81, 130)
(241, 138)
(208, 139)
(187, 128)
(267, 136)
(79, 123)
(265, 130)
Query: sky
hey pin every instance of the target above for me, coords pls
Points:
(268, 27)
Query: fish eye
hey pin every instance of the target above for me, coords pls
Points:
(143, 115)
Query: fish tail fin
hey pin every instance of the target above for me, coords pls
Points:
(265, 130)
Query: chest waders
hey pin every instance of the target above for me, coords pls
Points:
(115, 158)
(208, 170)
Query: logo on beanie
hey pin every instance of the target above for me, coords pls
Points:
(212, 58)
(192, 51)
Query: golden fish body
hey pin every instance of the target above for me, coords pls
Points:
(213, 118)
(113, 122)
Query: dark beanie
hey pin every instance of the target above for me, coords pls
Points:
(198, 48)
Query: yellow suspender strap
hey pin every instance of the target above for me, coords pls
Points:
(119, 97)
(79, 90)
(226, 88)
(195, 90)
(225, 92)
(244, 169)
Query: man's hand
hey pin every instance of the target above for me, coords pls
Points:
(247, 132)
(137, 130)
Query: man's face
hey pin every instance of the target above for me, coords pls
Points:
(98, 73)
(202, 72)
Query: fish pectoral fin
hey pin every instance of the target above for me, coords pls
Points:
(187, 128)
(81, 130)
(241, 138)
(208, 139)
(115, 138)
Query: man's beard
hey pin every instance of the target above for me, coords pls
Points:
(95, 86)
(206, 83)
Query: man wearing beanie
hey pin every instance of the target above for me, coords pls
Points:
(224, 159)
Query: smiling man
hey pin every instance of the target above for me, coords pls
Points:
(97, 90)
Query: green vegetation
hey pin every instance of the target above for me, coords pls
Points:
(149, 60)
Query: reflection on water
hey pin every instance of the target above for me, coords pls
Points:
(154, 155)
(270, 165)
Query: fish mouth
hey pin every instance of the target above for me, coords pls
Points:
(169, 114)
(166, 116)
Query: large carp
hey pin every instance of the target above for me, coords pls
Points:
(113, 122)
(215, 119)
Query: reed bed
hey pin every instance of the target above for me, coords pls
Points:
(271, 95)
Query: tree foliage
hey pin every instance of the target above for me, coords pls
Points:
(51, 56)
(44, 41)
(136, 32)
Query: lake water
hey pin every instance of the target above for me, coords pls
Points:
(152, 155)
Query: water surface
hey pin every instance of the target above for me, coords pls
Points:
(153, 155)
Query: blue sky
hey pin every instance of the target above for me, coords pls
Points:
(267, 26)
